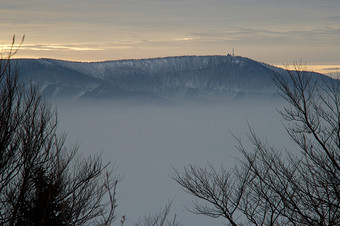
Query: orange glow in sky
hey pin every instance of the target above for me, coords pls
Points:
(275, 32)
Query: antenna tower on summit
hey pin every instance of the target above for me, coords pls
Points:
(233, 52)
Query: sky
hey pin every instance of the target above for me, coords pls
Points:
(272, 31)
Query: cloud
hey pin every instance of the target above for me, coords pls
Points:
(183, 39)
(50, 47)
(133, 28)
(332, 68)
(282, 36)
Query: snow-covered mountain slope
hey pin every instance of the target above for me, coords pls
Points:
(171, 78)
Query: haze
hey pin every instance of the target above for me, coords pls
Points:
(146, 141)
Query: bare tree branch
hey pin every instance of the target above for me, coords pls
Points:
(275, 187)
(42, 181)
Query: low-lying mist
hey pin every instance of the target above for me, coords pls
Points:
(145, 142)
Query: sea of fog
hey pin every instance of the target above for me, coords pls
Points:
(145, 142)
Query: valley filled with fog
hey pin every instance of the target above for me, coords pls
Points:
(146, 142)
(150, 117)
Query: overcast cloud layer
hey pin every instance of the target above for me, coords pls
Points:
(267, 30)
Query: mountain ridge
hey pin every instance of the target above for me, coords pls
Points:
(173, 79)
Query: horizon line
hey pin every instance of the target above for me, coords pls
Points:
(327, 69)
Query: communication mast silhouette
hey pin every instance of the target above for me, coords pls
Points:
(233, 52)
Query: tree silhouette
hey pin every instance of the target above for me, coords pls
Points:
(43, 182)
(281, 187)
